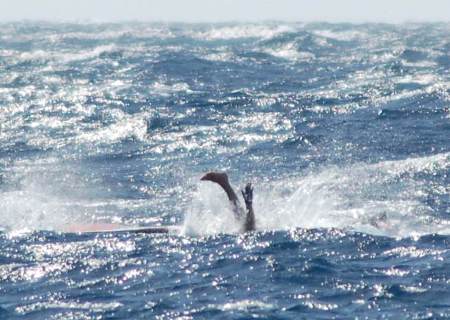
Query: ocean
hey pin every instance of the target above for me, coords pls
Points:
(343, 130)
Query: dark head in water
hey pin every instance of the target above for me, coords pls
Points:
(246, 217)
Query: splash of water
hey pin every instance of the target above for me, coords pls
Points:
(44, 195)
(354, 198)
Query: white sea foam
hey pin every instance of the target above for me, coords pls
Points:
(51, 195)
(341, 35)
(289, 51)
(164, 89)
(124, 126)
(75, 305)
(240, 31)
(245, 305)
(33, 206)
(135, 31)
(67, 56)
(423, 79)
(30, 210)
(95, 52)
(223, 56)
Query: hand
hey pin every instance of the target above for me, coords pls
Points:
(247, 194)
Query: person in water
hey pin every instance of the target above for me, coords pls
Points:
(247, 216)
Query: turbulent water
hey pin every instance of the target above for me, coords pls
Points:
(344, 130)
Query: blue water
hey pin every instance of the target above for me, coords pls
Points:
(336, 125)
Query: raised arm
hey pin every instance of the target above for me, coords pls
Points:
(222, 180)
(239, 213)
(247, 193)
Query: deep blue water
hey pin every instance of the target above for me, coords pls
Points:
(336, 125)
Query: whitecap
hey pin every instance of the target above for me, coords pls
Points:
(125, 126)
(346, 35)
(245, 305)
(164, 89)
(75, 305)
(289, 51)
(240, 31)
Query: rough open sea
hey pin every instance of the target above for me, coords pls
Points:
(343, 129)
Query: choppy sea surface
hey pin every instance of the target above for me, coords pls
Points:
(343, 129)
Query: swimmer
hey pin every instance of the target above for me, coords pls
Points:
(247, 216)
